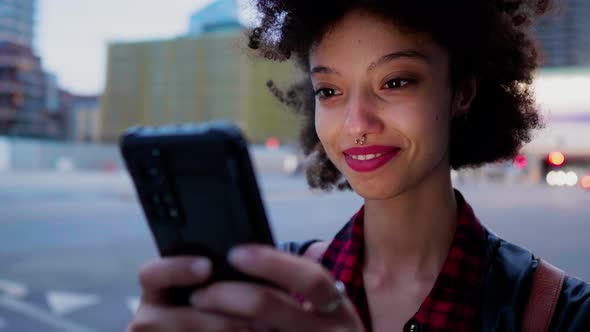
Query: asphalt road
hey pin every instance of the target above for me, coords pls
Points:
(71, 244)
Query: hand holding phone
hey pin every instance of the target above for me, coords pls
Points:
(198, 191)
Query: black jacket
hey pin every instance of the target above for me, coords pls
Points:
(508, 283)
(507, 289)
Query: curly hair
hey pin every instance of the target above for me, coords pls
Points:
(486, 39)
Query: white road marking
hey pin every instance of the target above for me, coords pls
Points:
(13, 289)
(3, 324)
(133, 304)
(64, 303)
(39, 315)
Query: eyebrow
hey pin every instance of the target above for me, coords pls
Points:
(408, 54)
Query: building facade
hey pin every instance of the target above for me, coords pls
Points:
(194, 80)
(22, 93)
(564, 34)
(221, 15)
(17, 19)
(29, 97)
(84, 119)
(206, 75)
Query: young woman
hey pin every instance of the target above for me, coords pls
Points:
(395, 95)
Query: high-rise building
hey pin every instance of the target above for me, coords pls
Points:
(22, 92)
(564, 34)
(17, 22)
(221, 15)
(193, 80)
(31, 103)
(207, 75)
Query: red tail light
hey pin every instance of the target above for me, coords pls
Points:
(556, 158)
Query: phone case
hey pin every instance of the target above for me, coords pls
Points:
(198, 191)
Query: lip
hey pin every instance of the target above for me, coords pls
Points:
(363, 166)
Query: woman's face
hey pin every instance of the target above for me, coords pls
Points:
(391, 86)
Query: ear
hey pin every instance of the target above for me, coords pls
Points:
(464, 95)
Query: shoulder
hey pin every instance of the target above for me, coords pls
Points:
(508, 284)
(573, 308)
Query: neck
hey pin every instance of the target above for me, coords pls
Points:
(409, 235)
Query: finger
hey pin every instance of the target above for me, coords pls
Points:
(165, 273)
(254, 302)
(151, 318)
(308, 279)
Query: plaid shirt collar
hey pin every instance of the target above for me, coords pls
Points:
(453, 303)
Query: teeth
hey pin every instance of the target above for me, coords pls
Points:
(366, 157)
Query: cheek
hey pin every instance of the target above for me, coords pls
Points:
(325, 127)
(433, 134)
(328, 127)
(426, 125)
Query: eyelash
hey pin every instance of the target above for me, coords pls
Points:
(318, 93)
(406, 80)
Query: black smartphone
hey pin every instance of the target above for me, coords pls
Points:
(198, 191)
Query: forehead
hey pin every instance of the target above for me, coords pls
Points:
(362, 36)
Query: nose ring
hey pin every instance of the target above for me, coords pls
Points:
(362, 140)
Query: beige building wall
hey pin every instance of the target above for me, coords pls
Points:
(88, 125)
(192, 80)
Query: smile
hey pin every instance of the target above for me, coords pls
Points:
(370, 158)
(366, 157)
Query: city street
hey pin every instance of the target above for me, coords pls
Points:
(71, 244)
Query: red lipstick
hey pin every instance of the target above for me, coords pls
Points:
(370, 158)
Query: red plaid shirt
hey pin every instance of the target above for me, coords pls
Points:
(454, 302)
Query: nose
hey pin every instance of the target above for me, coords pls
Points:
(362, 116)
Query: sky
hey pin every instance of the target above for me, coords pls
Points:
(72, 35)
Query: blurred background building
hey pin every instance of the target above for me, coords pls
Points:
(22, 93)
(217, 16)
(17, 18)
(85, 120)
(564, 34)
(22, 81)
(31, 101)
(203, 76)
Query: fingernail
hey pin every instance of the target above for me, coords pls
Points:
(239, 255)
(201, 267)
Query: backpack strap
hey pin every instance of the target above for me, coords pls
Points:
(545, 290)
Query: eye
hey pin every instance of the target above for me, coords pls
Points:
(397, 83)
(325, 93)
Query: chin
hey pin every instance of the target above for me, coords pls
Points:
(377, 189)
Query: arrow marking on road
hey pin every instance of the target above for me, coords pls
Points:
(13, 289)
(65, 303)
(133, 304)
